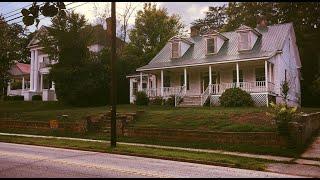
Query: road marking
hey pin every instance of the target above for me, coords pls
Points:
(83, 164)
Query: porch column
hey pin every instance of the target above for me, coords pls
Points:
(52, 85)
(8, 87)
(266, 73)
(35, 73)
(41, 82)
(185, 80)
(161, 88)
(237, 68)
(22, 83)
(31, 70)
(140, 81)
(210, 79)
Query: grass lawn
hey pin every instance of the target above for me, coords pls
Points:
(199, 118)
(180, 155)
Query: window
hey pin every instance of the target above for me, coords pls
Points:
(243, 41)
(135, 87)
(234, 77)
(175, 49)
(166, 81)
(144, 85)
(260, 76)
(182, 80)
(211, 46)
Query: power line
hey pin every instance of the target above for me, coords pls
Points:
(18, 12)
(17, 9)
(43, 17)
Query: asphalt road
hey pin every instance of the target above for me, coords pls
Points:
(35, 161)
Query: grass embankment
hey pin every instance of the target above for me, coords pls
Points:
(199, 118)
(179, 155)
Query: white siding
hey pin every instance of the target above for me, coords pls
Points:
(220, 42)
(253, 38)
(184, 48)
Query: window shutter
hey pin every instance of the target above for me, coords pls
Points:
(175, 49)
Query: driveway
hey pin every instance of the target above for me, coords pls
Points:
(35, 161)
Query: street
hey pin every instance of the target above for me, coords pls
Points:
(35, 161)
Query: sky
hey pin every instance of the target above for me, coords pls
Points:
(188, 11)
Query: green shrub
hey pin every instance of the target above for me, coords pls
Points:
(13, 98)
(235, 97)
(141, 98)
(170, 101)
(282, 115)
(36, 98)
(16, 85)
(158, 100)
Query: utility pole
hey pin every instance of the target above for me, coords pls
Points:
(113, 93)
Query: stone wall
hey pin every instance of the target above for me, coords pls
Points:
(255, 138)
(304, 126)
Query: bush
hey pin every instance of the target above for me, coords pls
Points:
(141, 98)
(13, 98)
(235, 97)
(158, 100)
(16, 85)
(170, 101)
(282, 115)
(36, 98)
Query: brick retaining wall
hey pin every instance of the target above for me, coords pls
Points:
(256, 138)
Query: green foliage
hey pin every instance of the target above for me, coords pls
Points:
(170, 101)
(285, 87)
(49, 9)
(141, 98)
(282, 114)
(36, 98)
(158, 100)
(16, 85)
(153, 28)
(11, 48)
(235, 97)
(316, 88)
(80, 76)
(13, 98)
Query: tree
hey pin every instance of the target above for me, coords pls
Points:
(48, 9)
(215, 19)
(153, 28)
(80, 78)
(124, 18)
(11, 48)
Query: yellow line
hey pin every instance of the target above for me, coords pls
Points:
(83, 164)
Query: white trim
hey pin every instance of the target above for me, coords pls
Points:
(210, 63)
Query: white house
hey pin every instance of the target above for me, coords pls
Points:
(19, 79)
(201, 67)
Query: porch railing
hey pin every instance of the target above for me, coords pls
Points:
(168, 91)
(251, 87)
(179, 96)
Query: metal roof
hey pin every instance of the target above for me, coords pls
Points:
(267, 45)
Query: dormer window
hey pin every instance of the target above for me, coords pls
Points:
(211, 45)
(175, 46)
(243, 41)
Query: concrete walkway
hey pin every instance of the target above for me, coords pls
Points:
(314, 150)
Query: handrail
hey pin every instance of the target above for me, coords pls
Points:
(179, 96)
(205, 95)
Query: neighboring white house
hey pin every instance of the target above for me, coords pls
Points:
(19, 79)
(201, 67)
(39, 66)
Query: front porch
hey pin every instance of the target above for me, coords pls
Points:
(202, 82)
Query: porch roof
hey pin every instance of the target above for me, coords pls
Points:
(271, 42)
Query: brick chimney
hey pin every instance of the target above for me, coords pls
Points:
(109, 24)
(194, 31)
(262, 22)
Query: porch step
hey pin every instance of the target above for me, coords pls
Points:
(190, 101)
